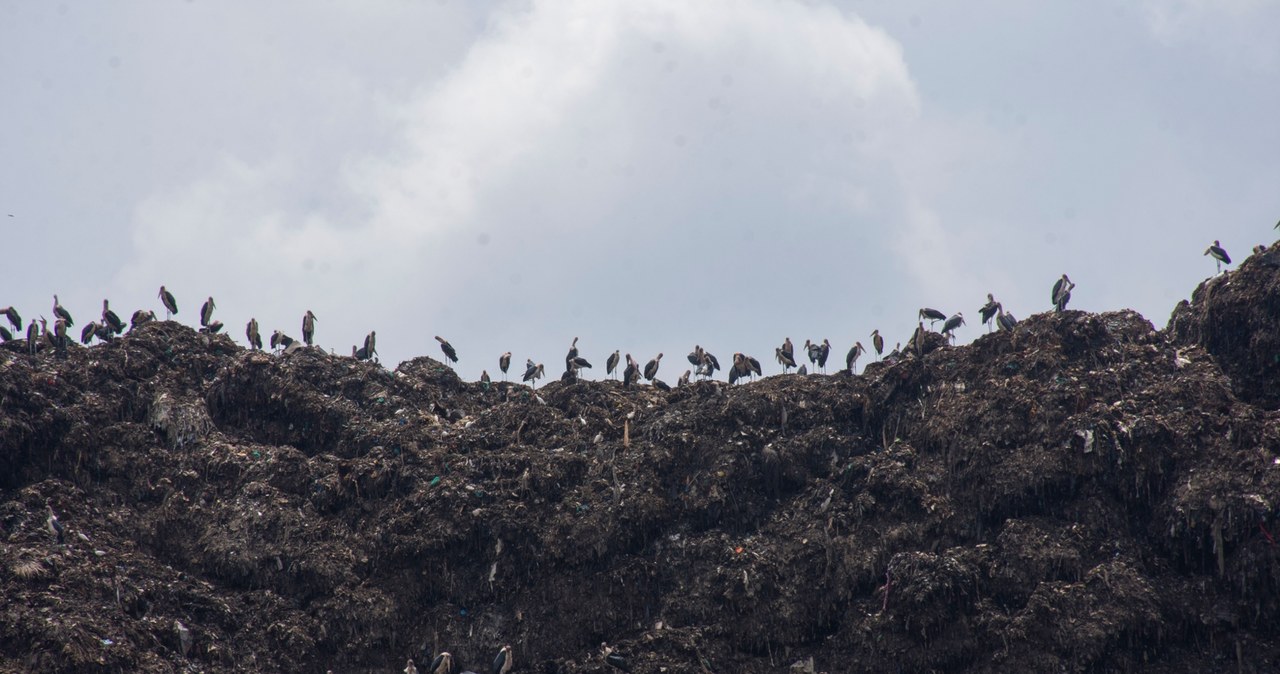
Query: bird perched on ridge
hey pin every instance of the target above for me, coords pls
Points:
(141, 317)
(949, 328)
(60, 336)
(785, 355)
(447, 348)
(33, 337)
(110, 319)
(738, 368)
(14, 318)
(251, 333)
(1062, 293)
(709, 364)
(611, 363)
(785, 359)
(308, 327)
(170, 304)
(812, 350)
(573, 352)
(704, 363)
(61, 312)
(279, 340)
(877, 342)
(932, 314)
(631, 373)
(206, 312)
(1005, 320)
(851, 360)
(988, 310)
(1218, 253)
(533, 373)
(651, 368)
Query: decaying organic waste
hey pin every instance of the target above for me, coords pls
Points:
(1083, 493)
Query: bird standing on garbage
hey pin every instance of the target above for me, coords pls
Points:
(447, 348)
(110, 319)
(206, 312)
(1062, 293)
(533, 373)
(1005, 320)
(785, 355)
(932, 314)
(988, 311)
(308, 327)
(851, 360)
(61, 312)
(631, 373)
(170, 304)
(1218, 253)
(14, 318)
(651, 368)
(949, 328)
(33, 337)
(141, 317)
(251, 333)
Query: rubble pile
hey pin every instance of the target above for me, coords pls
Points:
(1082, 493)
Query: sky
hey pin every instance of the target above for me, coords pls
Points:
(644, 175)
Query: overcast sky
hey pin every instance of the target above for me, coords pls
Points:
(645, 175)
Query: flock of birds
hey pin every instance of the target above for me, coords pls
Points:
(704, 363)
(110, 325)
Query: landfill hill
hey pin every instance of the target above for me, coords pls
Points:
(1084, 493)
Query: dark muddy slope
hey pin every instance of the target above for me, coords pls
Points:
(1081, 494)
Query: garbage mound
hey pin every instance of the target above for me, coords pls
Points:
(1081, 493)
(1236, 318)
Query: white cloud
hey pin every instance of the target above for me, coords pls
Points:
(582, 154)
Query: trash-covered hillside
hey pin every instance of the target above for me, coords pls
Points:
(1083, 493)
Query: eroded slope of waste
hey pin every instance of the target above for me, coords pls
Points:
(1082, 493)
